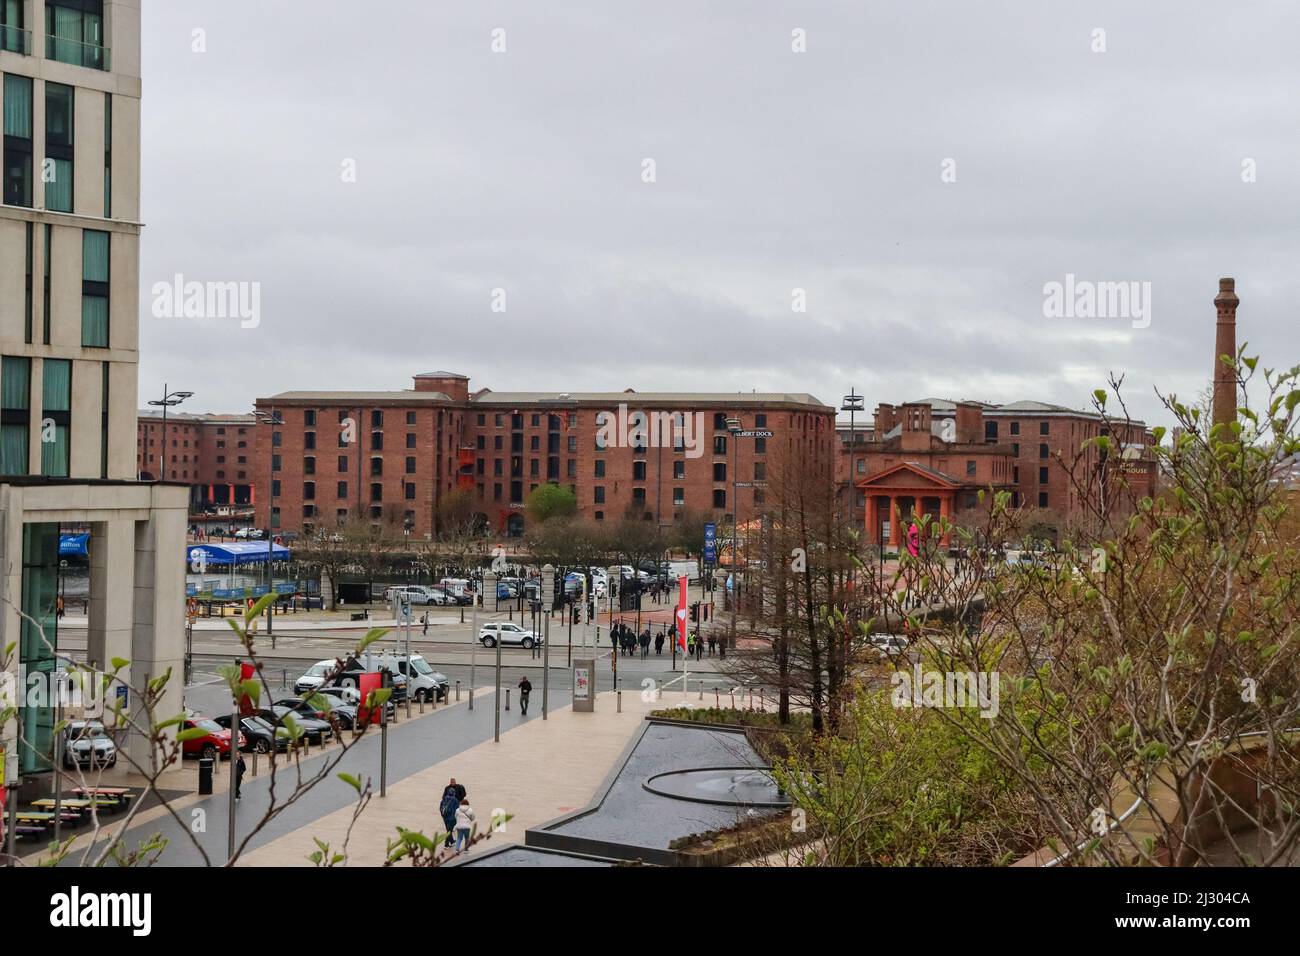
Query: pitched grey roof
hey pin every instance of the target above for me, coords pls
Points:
(714, 399)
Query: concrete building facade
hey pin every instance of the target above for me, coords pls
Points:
(69, 305)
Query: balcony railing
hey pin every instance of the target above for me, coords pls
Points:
(89, 55)
(15, 40)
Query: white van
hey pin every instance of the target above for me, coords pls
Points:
(423, 682)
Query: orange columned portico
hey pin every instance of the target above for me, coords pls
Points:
(902, 493)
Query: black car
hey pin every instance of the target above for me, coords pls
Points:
(259, 735)
(345, 714)
(316, 731)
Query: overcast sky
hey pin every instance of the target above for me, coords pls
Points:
(774, 170)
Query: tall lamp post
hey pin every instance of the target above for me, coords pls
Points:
(271, 418)
(733, 426)
(167, 401)
(853, 403)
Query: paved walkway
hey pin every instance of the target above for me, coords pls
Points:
(538, 771)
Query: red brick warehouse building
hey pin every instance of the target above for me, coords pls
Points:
(398, 455)
(934, 456)
(214, 453)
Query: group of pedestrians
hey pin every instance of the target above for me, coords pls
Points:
(457, 816)
(630, 643)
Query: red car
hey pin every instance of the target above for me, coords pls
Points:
(215, 745)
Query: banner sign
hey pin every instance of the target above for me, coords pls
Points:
(710, 543)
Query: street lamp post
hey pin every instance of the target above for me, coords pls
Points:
(167, 401)
(733, 427)
(853, 403)
(271, 418)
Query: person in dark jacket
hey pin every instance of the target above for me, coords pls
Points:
(659, 644)
(240, 767)
(452, 795)
(525, 688)
(645, 642)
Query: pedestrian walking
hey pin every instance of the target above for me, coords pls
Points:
(240, 767)
(424, 624)
(525, 688)
(645, 643)
(464, 826)
(659, 644)
(713, 643)
(452, 794)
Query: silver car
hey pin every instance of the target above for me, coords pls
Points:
(509, 634)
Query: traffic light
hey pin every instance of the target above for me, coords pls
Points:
(695, 613)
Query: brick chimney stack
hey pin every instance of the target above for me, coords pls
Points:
(1225, 343)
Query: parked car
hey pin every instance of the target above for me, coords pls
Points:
(87, 744)
(509, 634)
(352, 697)
(423, 682)
(417, 593)
(889, 645)
(345, 714)
(214, 745)
(248, 534)
(257, 734)
(314, 730)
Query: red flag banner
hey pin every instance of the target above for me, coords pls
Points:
(681, 615)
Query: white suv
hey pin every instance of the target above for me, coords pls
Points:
(509, 634)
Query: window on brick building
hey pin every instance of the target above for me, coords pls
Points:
(309, 440)
(600, 468)
(599, 494)
(573, 444)
(679, 497)
(410, 439)
(1014, 428)
(410, 491)
(970, 468)
(410, 465)
(376, 419)
(497, 467)
(720, 445)
(376, 441)
(638, 495)
(480, 442)
(1042, 499)
(376, 466)
(720, 471)
(1044, 427)
(760, 421)
(308, 490)
(1042, 451)
(571, 469)
(275, 462)
(638, 471)
(573, 419)
(376, 491)
(496, 491)
(719, 498)
(309, 466)
(679, 469)
(410, 418)
(342, 490)
(719, 421)
(760, 446)
(990, 431)
(1042, 476)
(535, 421)
(760, 470)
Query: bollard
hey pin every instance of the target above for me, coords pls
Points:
(717, 703)
(284, 678)
(620, 702)
(762, 701)
(421, 705)
(733, 698)
(507, 698)
(458, 691)
(306, 746)
(751, 698)
(701, 690)
(254, 761)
